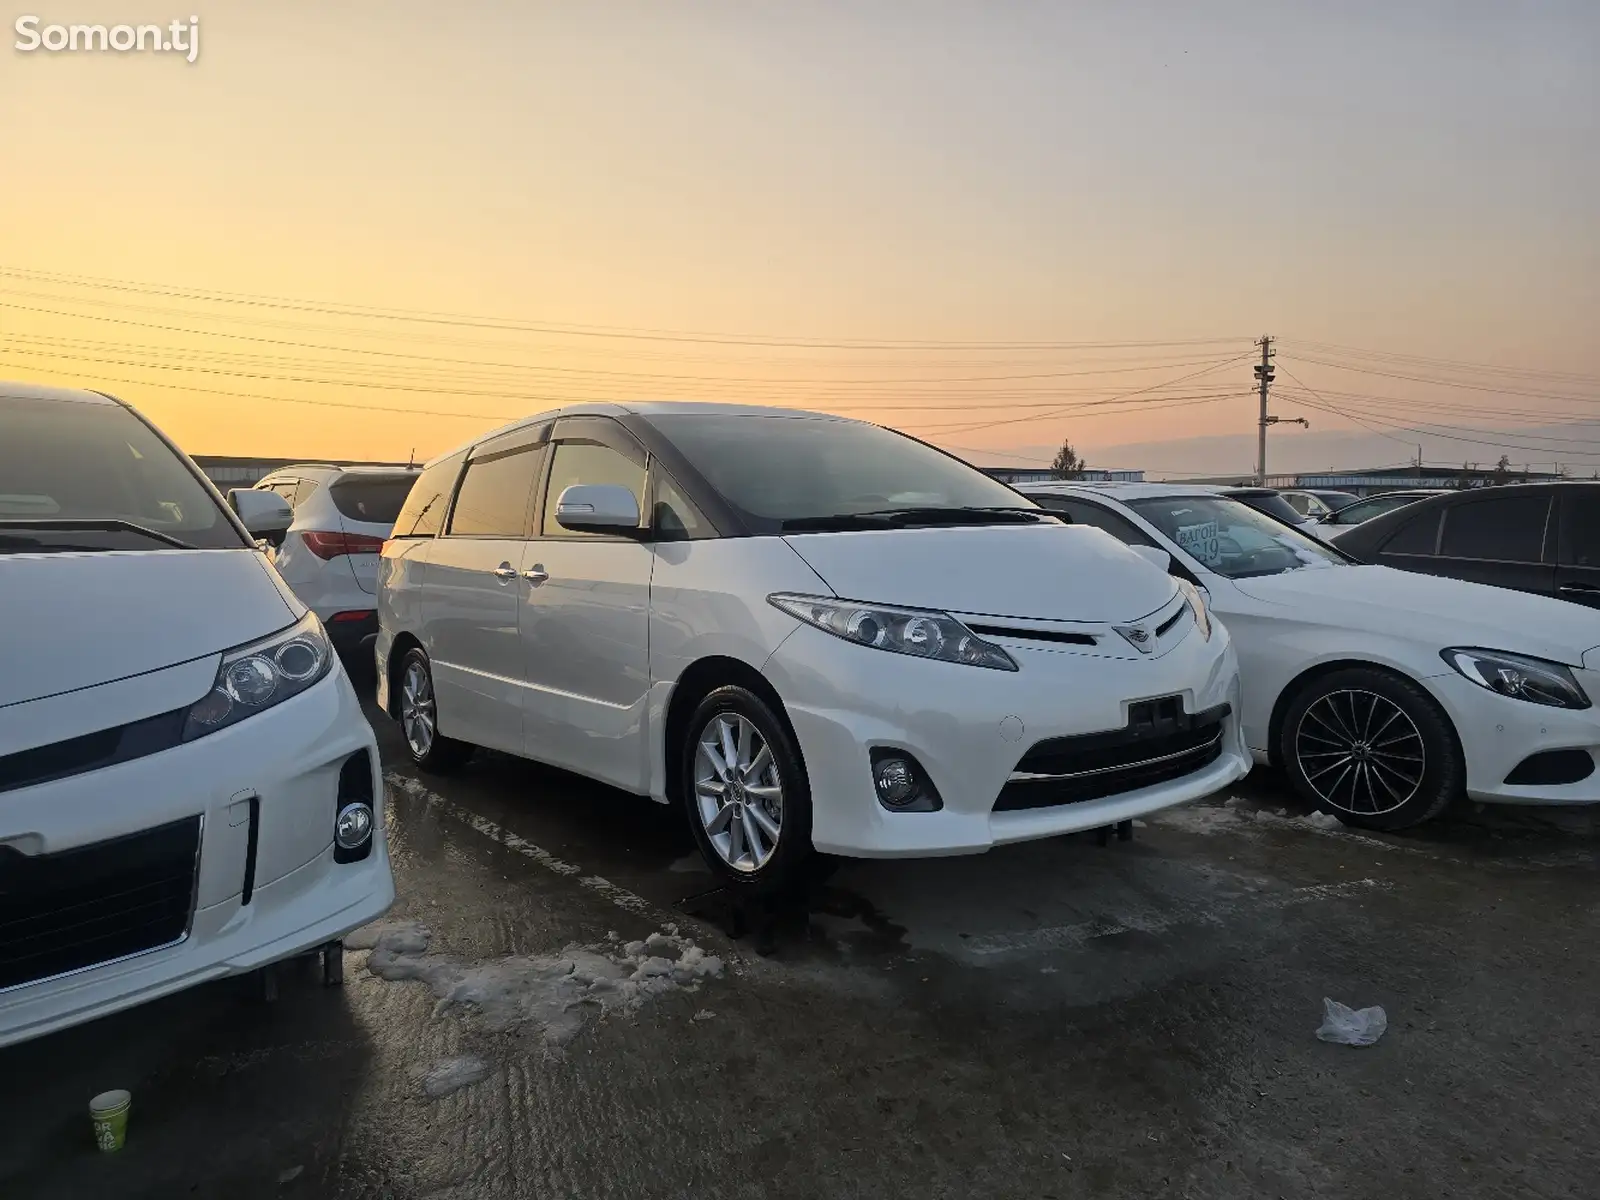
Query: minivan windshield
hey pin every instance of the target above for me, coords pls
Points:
(814, 474)
(1231, 538)
(81, 475)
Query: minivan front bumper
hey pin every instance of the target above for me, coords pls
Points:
(969, 729)
(277, 773)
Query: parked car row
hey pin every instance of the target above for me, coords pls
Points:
(812, 634)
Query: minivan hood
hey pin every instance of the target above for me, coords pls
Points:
(1451, 612)
(71, 621)
(1044, 572)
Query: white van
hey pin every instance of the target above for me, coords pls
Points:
(187, 784)
(812, 633)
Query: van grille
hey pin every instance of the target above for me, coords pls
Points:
(93, 904)
(1160, 743)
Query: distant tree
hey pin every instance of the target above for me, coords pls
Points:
(1502, 470)
(1068, 464)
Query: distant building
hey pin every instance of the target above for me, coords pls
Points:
(231, 471)
(1366, 482)
(1047, 474)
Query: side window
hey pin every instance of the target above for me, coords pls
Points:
(1497, 529)
(1084, 512)
(422, 515)
(1417, 536)
(494, 494)
(1581, 520)
(672, 517)
(303, 491)
(1302, 504)
(578, 462)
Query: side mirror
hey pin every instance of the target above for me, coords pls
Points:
(266, 515)
(598, 508)
(1155, 556)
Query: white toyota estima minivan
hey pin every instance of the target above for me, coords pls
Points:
(187, 783)
(813, 633)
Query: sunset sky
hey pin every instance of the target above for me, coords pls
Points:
(864, 207)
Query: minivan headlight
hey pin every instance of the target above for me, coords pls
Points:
(916, 632)
(1197, 605)
(1531, 679)
(253, 678)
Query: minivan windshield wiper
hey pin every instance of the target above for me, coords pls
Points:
(905, 518)
(89, 524)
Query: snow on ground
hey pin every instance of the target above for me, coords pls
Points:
(555, 993)
(1236, 813)
(453, 1074)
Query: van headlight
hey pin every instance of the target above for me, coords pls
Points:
(1197, 605)
(1530, 679)
(916, 632)
(253, 678)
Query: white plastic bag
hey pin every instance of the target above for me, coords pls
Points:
(1350, 1027)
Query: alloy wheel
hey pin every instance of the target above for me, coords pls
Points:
(417, 709)
(1360, 752)
(738, 792)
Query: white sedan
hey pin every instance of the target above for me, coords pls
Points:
(1384, 694)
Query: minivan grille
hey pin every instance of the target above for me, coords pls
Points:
(93, 904)
(1160, 743)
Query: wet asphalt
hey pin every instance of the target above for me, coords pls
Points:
(1059, 1019)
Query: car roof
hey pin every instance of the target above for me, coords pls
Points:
(37, 391)
(1118, 490)
(641, 408)
(301, 469)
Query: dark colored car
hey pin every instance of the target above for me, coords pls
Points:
(1317, 502)
(1267, 500)
(1363, 511)
(1534, 537)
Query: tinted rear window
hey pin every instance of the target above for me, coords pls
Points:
(1273, 505)
(375, 499)
(1501, 529)
(65, 460)
(1417, 536)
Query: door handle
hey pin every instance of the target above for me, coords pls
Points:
(504, 572)
(536, 574)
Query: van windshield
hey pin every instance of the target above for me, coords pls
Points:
(815, 474)
(80, 475)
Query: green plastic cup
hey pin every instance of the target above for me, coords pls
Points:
(109, 1112)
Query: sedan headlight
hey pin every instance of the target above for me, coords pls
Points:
(253, 678)
(910, 631)
(1197, 605)
(1530, 679)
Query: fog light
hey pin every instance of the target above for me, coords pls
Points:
(896, 781)
(353, 827)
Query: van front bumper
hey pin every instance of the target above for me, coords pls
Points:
(968, 728)
(284, 763)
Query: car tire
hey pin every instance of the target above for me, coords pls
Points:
(1372, 748)
(419, 718)
(752, 823)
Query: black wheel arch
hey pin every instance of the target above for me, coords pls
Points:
(699, 680)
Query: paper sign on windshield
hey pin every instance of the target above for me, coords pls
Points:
(1199, 541)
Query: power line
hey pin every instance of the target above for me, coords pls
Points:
(503, 324)
(1449, 363)
(1504, 391)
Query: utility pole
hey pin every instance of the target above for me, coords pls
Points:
(1264, 374)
